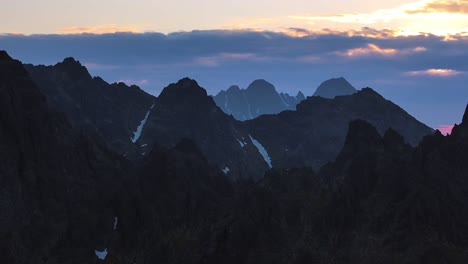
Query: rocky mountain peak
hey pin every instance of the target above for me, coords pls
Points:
(185, 91)
(334, 87)
(233, 88)
(75, 70)
(300, 96)
(370, 93)
(4, 56)
(261, 85)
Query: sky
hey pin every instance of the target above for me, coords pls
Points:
(414, 53)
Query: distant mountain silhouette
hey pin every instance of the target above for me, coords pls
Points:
(259, 98)
(314, 134)
(334, 87)
(111, 111)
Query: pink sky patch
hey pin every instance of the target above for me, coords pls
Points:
(445, 129)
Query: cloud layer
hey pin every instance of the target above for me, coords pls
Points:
(443, 6)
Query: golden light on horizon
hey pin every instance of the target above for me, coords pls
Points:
(435, 72)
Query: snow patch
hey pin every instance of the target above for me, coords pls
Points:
(241, 143)
(143, 153)
(226, 170)
(137, 133)
(144, 145)
(116, 221)
(101, 254)
(261, 150)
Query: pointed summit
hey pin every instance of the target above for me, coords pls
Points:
(185, 88)
(186, 95)
(334, 87)
(261, 85)
(233, 88)
(259, 98)
(75, 70)
(4, 56)
(300, 96)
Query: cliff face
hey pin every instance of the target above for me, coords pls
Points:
(184, 110)
(66, 198)
(112, 112)
(259, 98)
(57, 184)
(314, 134)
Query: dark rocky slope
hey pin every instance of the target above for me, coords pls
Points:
(381, 201)
(184, 110)
(57, 186)
(314, 133)
(63, 195)
(110, 111)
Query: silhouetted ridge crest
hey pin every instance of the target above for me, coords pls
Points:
(4, 56)
(334, 87)
(300, 96)
(261, 85)
(259, 98)
(184, 89)
(233, 88)
(74, 69)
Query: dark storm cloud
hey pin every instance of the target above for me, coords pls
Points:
(398, 67)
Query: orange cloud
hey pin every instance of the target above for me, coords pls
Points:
(435, 72)
(374, 49)
(437, 17)
(363, 32)
(445, 6)
(217, 59)
(370, 49)
(100, 29)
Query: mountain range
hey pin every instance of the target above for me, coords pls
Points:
(394, 192)
(131, 121)
(259, 98)
(315, 133)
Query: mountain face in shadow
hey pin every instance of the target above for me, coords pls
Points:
(66, 198)
(259, 98)
(314, 133)
(130, 121)
(56, 184)
(400, 204)
(184, 110)
(380, 201)
(334, 87)
(110, 111)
